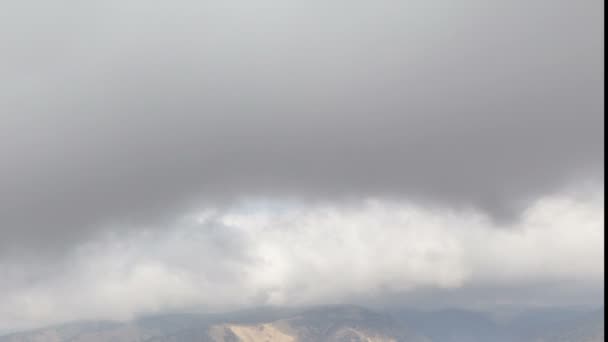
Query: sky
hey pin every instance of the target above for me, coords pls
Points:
(217, 155)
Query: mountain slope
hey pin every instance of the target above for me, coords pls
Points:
(335, 324)
(323, 324)
(586, 329)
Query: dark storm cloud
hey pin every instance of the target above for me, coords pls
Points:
(131, 110)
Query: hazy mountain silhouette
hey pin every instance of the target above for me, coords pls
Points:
(334, 324)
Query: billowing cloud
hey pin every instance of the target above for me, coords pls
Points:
(216, 154)
(132, 110)
(264, 253)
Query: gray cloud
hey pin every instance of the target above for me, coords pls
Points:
(132, 111)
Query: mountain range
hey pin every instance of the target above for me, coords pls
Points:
(334, 324)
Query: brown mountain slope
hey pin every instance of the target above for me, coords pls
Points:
(329, 324)
(326, 324)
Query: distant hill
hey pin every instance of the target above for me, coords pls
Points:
(323, 324)
(547, 325)
(334, 324)
(456, 325)
(584, 329)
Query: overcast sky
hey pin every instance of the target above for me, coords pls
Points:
(170, 155)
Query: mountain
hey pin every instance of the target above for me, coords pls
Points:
(583, 329)
(546, 325)
(456, 325)
(322, 324)
(335, 324)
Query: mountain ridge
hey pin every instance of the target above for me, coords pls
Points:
(330, 323)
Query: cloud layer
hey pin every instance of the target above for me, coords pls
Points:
(132, 110)
(262, 253)
(217, 154)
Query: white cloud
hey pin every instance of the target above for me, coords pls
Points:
(307, 254)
